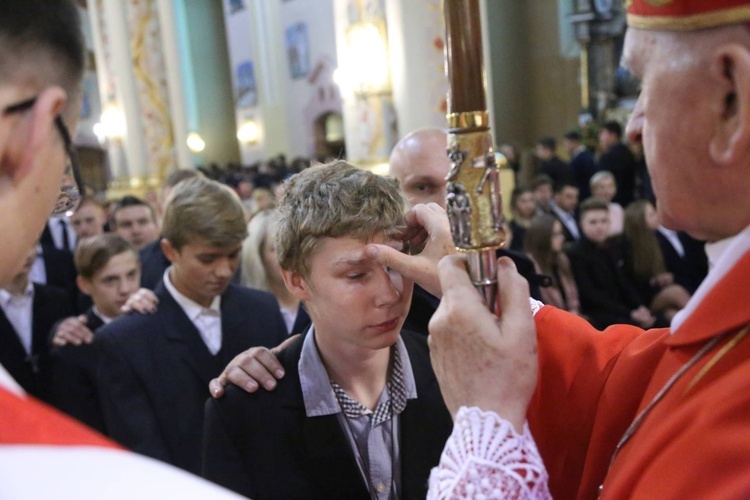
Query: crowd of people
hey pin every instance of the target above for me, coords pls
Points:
(401, 382)
(608, 258)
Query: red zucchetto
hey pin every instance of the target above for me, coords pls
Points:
(686, 15)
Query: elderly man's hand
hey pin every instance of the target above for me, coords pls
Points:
(479, 359)
(73, 331)
(252, 368)
(427, 227)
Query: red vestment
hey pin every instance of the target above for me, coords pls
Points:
(693, 444)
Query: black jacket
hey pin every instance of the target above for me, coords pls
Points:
(154, 371)
(73, 386)
(263, 445)
(32, 372)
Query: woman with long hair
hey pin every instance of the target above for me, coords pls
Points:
(543, 244)
(644, 262)
(260, 269)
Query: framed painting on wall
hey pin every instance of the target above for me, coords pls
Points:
(247, 90)
(297, 50)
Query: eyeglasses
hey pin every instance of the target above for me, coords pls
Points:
(70, 195)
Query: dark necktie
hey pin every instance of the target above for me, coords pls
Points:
(65, 239)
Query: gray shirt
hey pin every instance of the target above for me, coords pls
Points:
(370, 433)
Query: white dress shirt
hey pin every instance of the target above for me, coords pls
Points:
(206, 319)
(19, 310)
(38, 273)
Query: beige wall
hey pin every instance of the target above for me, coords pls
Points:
(536, 90)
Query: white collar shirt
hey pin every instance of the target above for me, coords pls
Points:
(206, 319)
(19, 311)
(38, 273)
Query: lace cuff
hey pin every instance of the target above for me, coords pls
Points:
(485, 458)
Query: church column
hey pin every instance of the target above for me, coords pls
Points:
(133, 86)
(416, 38)
(364, 77)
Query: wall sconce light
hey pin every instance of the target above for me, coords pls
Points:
(365, 69)
(248, 133)
(195, 142)
(111, 124)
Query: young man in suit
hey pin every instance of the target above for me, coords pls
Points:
(359, 413)
(154, 368)
(108, 272)
(135, 220)
(607, 296)
(27, 313)
(564, 209)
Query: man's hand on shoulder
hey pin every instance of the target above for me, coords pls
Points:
(72, 331)
(250, 369)
(143, 301)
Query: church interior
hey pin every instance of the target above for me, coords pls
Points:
(234, 84)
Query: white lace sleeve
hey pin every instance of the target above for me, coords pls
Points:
(485, 458)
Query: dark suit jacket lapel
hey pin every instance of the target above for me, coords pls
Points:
(302, 322)
(10, 345)
(182, 333)
(231, 325)
(326, 446)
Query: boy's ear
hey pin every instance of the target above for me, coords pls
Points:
(170, 252)
(83, 285)
(296, 284)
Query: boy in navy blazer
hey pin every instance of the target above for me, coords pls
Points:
(154, 368)
(359, 413)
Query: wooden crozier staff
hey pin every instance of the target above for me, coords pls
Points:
(474, 202)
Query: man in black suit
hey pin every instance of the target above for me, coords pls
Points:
(582, 163)
(27, 313)
(154, 369)
(564, 209)
(551, 165)
(617, 158)
(359, 413)
(607, 297)
(684, 256)
(108, 272)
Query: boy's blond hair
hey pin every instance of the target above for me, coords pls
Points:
(202, 209)
(330, 201)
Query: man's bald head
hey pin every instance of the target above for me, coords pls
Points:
(420, 163)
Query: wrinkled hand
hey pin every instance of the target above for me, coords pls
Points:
(257, 365)
(143, 301)
(428, 226)
(479, 359)
(73, 331)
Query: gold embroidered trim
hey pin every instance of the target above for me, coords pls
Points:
(719, 354)
(689, 23)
